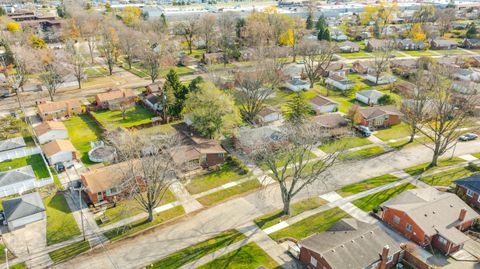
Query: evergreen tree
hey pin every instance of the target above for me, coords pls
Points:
(376, 30)
(175, 92)
(326, 35)
(2, 11)
(309, 22)
(472, 31)
(163, 19)
(195, 84)
(321, 23)
(297, 109)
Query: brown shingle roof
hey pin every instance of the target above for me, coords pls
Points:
(58, 105)
(115, 94)
(373, 112)
(330, 120)
(47, 126)
(107, 177)
(56, 146)
(321, 101)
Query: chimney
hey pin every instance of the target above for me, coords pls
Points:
(384, 257)
(463, 213)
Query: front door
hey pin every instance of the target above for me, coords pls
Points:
(100, 197)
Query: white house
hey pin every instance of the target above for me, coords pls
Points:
(323, 105)
(369, 97)
(297, 85)
(269, 114)
(12, 143)
(153, 102)
(17, 180)
(382, 79)
(24, 210)
(338, 35)
(467, 75)
(340, 83)
(466, 87)
(59, 151)
(50, 130)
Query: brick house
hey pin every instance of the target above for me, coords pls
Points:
(379, 116)
(469, 190)
(350, 243)
(113, 99)
(443, 44)
(430, 217)
(471, 43)
(375, 44)
(59, 109)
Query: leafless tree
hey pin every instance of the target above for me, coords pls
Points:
(88, 25)
(289, 161)
(226, 34)
(298, 30)
(128, 43)
(189, 30)
(414, 108)
(206, 29)
(108, 46)
(317, 57)
(154, 54)
(52, 78)
(444, 19)
(382, 59)
(77, 62)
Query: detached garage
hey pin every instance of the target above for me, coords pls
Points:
(59, 151)
(24, 210)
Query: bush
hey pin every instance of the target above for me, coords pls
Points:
(235, 161)
(473, 167)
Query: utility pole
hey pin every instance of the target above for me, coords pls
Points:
(6, 258)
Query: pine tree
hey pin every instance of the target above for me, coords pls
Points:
(321, 23)
(297, 109)
(326, 35)
(320, 34)
(173, 91)
(472, 31)
(309, 22)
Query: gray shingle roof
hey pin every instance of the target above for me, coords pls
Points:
(12, 143)
(370, 93)
(471, 183)
(23, 206)
(16, 176)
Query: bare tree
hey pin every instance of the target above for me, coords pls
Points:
(189, 30)
(414, 108)
(206, 29)
(382, 59)
(317, 57)
(108, 46)
(155, 53)
(444, 19)
(226, 34)
(53, 71)
(128, 43)
(77, 62)
(289, 161)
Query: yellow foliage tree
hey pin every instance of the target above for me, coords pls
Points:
(270, 10)
(37, 42)
(130, 15)
(287, 38)
(13, 26)
(416, 32)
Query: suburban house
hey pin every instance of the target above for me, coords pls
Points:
(471, 43)
(359, 67)
(156, 87)
(368, 97)
(114, 99)
(269, 114)
(383, 78)
(473, 61)
(375, 44)
(12, 143)
(323, 105)
(186, 60)
(466, 87)
(460, 25)
(23, 210)
(335, 123)
(213, 58)
(430, 217)
(50, 130)
(409, 44)
(297, 85)
(339, 82)
(248, 139)
(59, 151)
(469, 190)
(377, 117)
(467, 75)
(337, 35)
(17, 180)
(153, 102)
(405, 88)
(443, 44)
(404, 67)
(59, 109)
(349, 47)
(350, 243)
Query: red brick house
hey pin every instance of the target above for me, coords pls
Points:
(377, 117)
(430, 217)
(469, 190)
(371, 246)
(196, 152)
(114, 99)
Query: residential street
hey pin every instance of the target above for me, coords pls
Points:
(238, 212)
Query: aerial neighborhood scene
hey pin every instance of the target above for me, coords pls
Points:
(296, 134)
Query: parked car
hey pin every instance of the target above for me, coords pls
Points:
(59, 167)
(468, 137)
(363, 130)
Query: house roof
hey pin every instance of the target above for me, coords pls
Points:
(465, 72)
(48, 126)
(350, 243)
(193, 146)
(340, 79)
(473, 41)
(153, 99)
(471, 183)
(434, 211)
(376, 43)
(267, 110)
(115, 94)
(376, 111)
(370, 94)
(322, 101)
(330, 120)
(349, 44)
(56, 146)
(445, 42)
(249, 137)
(49, 107)
(17, 175)
(12, 143)
(157, 86)
(408, 41)
(107, 177)
(23, 206)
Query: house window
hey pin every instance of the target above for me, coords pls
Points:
(408, 227)
(313, 261)
(378, 121)
(396, 219)
(470, 193)
(442, 241)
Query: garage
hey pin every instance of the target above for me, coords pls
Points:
(23, 210)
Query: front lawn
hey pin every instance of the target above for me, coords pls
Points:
(358, 154)
(82, 130)
(69, 251)
(61, 224)
(452, 52)
(36, 161)
(422, 168)
(420, 53)
(129, 229)
(398, 131)
(134, 116)
(282, 160)
(373, 201)
(345, 143)
(355, 55)
(276, 216)
(20, 265)
(228, 172)
(197, 251)
(476, 155)
(366, 185)
(247, 257)
(229, 193)
(447, 177)
(2, 254)
(315, 224)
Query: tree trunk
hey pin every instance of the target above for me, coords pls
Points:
(129, 61)
(286, 205)
(79, 80)
(434, 160)
(150, 215)
(412, 134)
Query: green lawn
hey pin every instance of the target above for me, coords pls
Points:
(276, 216)
(345, 143)
(227, 173)
(61, 224)
(20, 265)
(157, 129)
(366, 185)
(95, 72)
(446, 178)
(358, 154)
(452, 52)
(282, 160)
(476, 155)
(315, 224)
(82, 130)
(421, 168)
(2, 254)
(121, 232)
(372, 201)
(355, 55)
(403, 143)
(128, 208)
(134, 116)
(36, 161)
(229, 193)
(394, 132)
(249, 256)
(69, 251)
(181, 71)
(199, 250)
(419, 53)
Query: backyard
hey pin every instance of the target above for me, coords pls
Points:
(61, 224)
(134, 116)
(82, 130)
(36, 161)
(366, 185)
(373, 201)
